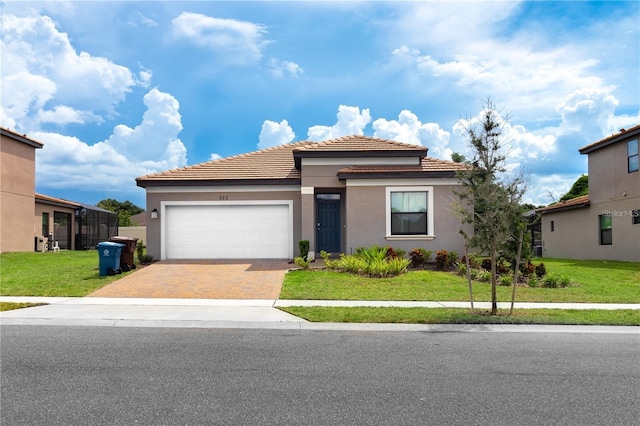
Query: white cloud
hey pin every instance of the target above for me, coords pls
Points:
(282, 69)
(273, 134)
(61, 115)
(241, 40)
(147, 22)
(350, 122)
(587, 111)
(214, 156)
(39, 65)
(152, 146)
(409, 129)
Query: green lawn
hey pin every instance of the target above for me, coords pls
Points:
(10, 306)
(462, 316)
(594, 282)
(67, 273)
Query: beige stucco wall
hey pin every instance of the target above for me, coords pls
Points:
(154, 200)
(366, 223)
(608, 176)
(17, 195)
(139, 232)
(576, 233)
(48, 208)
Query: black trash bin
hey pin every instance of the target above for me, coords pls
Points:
(127, 262)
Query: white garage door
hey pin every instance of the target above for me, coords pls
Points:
(227, 231)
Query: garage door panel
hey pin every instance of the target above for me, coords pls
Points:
(227, 231)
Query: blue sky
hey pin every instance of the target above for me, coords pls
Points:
(117, 90)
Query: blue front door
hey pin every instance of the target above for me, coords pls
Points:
(328, 223)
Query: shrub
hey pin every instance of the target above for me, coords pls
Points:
(473, 273)
(442, 260)
(540, 270)
(533, 281)
(324, 255)
(146, 258)
(503, 267)
(418, 257)
(303, 245)
(391, 253)
(370, 261)
(485, 264)
(400, 253)
(371, 254)
(484, 276)
(302, 262)
(452, 257)
(565, 281)
(140, 250)
(462, 269)
(506, 280)
(551, 281)
(527, 269)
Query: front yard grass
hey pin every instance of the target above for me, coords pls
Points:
(625, 317)
(592, 282)
(67, 273)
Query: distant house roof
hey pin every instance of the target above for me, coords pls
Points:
(45, 199)
(281, 164)
(574, 203)
(616, 137)
(20, 138)
(139, 219)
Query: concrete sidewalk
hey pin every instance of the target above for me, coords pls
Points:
(260, 313)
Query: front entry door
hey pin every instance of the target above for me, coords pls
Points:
(328, 223)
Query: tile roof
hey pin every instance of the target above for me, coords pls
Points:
(360, 144)
(574, 203)
(271, 163)
(428, 166)
(53, 200)
(278, 165)
(20, 138)
(616, 137)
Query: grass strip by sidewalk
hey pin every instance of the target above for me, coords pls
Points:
(9, 306)
(626, 317)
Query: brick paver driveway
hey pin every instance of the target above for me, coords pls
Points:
(202, 279)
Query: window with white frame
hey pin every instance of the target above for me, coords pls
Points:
(409, 211)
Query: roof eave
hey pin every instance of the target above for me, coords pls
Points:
(634, 131)
(144, 183)
(298, 154)
(562, 208)
(396, 175)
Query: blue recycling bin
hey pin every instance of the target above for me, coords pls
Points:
(109, 254)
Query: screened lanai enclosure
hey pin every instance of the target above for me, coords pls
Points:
(94, 225)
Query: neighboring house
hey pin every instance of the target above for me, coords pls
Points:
(27, 219)
(339, 194)
(17, 191)
(76, 226)
(606, 223)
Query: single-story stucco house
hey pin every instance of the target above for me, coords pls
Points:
(340, 194)
(604, 225)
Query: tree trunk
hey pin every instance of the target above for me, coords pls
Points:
(494, 297)
(466, 256)
(516, 270)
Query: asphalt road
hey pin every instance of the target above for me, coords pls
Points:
(163, 376)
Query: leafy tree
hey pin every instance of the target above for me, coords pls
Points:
(580, 187)
(456, 157)
(490, 197)
(125, 210)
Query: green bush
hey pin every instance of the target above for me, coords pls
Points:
(146, 258)
(551, 281)
(302, 262)
(474, 273)
(484, 276)
(541, 270)
(462, 269)
(140, 250)
(565, 281)
(303, 245)
(371, 261)
(506, 280)
(533, 281)
(452, 257)
(371, 254)
(400, 253)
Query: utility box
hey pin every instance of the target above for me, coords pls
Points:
(128, 251)
(40, 243)
(109, 256)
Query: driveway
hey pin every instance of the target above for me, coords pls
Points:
(202, 279)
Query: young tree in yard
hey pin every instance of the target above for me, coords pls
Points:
(490, 195)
